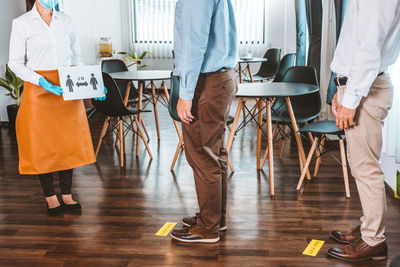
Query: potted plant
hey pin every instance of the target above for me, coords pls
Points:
(14, 85)
(133, 58)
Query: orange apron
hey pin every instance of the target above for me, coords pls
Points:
(52, 134)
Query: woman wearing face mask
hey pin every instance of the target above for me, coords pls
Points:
(53, 135)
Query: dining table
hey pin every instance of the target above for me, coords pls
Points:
(248, 61)
(158, 94)
(265, 95)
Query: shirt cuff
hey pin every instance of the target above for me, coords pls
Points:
(35, 78)
(186, 93)
(350, 100)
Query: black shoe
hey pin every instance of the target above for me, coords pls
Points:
(191, 221)
(73, 208)
(57, 211)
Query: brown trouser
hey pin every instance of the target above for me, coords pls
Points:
(364, 145)
(205, 145)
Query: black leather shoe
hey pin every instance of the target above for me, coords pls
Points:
(73, 208)
(57, 211)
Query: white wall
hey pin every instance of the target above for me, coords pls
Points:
(94, 19)
(9, 9)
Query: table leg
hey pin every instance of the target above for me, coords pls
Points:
(297, 135)
(234, 126)
(139, 116)
(259, 132)
(153, 93)
(270, 150)
(164, 85)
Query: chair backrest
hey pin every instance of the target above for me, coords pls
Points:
(305, 106)
(116, 65)
(269, 68)
(113, 65)
(287, 62)
(113, 106)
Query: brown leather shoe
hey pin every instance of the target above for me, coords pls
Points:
(360, 251)
(347, 237)
(194, 235)
(191, 221)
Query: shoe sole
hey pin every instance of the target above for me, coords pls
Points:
(340, 241)
(377, 258)
(223, 228)
(209, 240)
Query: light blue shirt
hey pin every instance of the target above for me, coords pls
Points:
(205, 40)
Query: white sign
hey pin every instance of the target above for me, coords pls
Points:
(81, 82)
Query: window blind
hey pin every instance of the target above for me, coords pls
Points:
(153, 28)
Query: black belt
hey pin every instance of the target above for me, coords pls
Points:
(341, 81)
(222, 70)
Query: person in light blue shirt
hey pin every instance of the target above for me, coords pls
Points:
(205, 41)
(206, 50)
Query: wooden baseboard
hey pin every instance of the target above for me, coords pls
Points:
(390, 192)
(3, 123)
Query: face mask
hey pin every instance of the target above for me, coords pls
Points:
(49, 4)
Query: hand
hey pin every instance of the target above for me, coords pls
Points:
(334, 105)
(104, 97)
(184, 108)
(345, 117)
(57, 90)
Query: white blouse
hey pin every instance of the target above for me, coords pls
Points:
(35, 46)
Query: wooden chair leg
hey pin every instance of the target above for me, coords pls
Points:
(178, 149)
(102, 134)
(344, 166)
(319, 154)
(309, 158)
(282, 145)
(230, 164)
(145, 131)
(265, 157)
(140, 133)
(121, 140)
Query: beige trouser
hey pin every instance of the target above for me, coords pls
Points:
(364, 144)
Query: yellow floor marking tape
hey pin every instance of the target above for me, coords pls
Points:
(313, 248)
(167, 227)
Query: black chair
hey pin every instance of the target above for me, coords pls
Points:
(113, 108)
(269, 68)
(117, 65)
(288, 61)
(305, 108)
(320, 147)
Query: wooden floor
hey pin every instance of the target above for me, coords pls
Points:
(124, 208)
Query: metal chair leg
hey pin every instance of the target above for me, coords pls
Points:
(321, 150)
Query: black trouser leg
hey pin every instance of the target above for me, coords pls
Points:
(46, 181)
(65, 178)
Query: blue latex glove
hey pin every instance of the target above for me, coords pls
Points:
(102, 98)
(57, 90)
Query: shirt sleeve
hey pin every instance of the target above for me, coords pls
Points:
(192, 29)
(373, 24)
(76, 59)
(17, 57)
